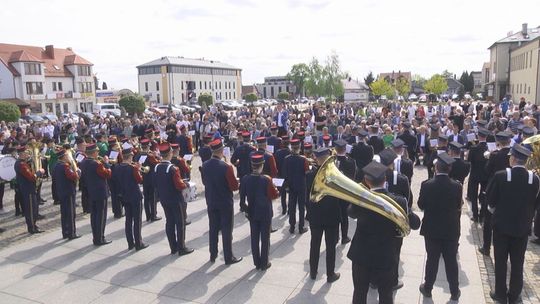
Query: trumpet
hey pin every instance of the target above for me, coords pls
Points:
(143, 169)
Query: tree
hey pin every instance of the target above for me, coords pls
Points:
(134, 104)
(382, 87)
(332, 77)
(283, 96)
(205, 100)
(251, 97)
(104, 86)
(314, 81)
(447, 74)
(298, 74)
(369, 79)
(402, 86)
(436, 84)
(9, 112)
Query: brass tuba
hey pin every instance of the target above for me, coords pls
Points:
(35, 153)
(71, 160)
(533, 162)
(329, 181)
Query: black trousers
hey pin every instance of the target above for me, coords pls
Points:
(175, 225)
(260, 241)
(116, 204)
(472, 193)
(283, 195)
(67, 215)
(330, 238)
(537, 224)
(53, 190)
(448, 249)
(297, 198)
(343, 205)
(395, 275)
(514, 247)
(98, 219)
(150, 205)
(221, 220)
(19, 206)
(85, 202)
(197, 140)
(30, 209)
(133, 222)
(2, 195)
(487, 231)
(363, 275)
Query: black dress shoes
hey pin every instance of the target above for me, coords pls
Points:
(426, 293)
(263, 268)
(291, 229)
(272, 230)
(345, 240)
(455, 296)
(483, 251)
(212, 259)
(157, 218)
(131, 246)
(302, 230)
(185, 251)
(75, 236)
(499, 300)
(141, 246)
(103, 242)
(234, 260)
(334, 277)
(313, 275)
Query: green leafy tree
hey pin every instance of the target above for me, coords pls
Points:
(251, 97)
(332, 77)
(436, 84)
(314, 83)
(9, 112)
(134, 104)
(298, 75)
(402, 86)
(283, 96)
(369, 79)
(382, 87)
(205, 100)
(447, 74)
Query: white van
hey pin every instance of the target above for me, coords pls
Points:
(102, 109)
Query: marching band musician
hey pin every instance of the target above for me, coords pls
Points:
(372, 250)
(150, 160)
(280, 156)
(324, 217)
(259, 191)
(460, 168)
(79, 157)
(240, 159)
(113, 183)
(431, 151)
(295, 169)
(130, 178)
(347, 166)
(26, 181)
(269, 167)
(512, 195)
(66, 181)
(478, 177)
(185, 173)
(273, 140)
(184, 141)
(205, 152)
(169, 186)
(219, 181)
(95, 174)
(362, 153)
(498, 160)
(441, 200)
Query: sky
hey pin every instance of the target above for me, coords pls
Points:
(265, 38)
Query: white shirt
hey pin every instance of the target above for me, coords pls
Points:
(422, 140)
(279, 119)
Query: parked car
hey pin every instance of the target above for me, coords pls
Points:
(102, 109)
(33, 118)
(413, 97)
(50, 117)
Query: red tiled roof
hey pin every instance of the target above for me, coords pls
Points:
(54, 65)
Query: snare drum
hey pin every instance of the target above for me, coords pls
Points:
(7, 168)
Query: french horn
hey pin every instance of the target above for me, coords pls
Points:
(329, 181)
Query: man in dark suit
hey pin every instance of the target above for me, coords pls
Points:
(281, 118)
(422, 148)
(442, 146)
(279, 156)
(410, 140)
(397, 183)
(240, 159)
(512, 195)
(478, 177)
(498, 160)
(374, 140)
(362, 154)
(440, 198)
(347, 166)
(403, 165)
(66, 180)
(372, 250)
(259, 191)
(324, 217)
(219, 183)
(460, 168)
(273, 140)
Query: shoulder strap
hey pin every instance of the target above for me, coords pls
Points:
(155, 168)
(508, 174)
(169, 167)
(531, 175)
(395, 177)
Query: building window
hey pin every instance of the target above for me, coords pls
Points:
(216, 85)
(205, 85)
(272, 92)
(60, 87)
(146, 86)
(66, 107)
(150, 70)
(264, 92)
(200, 85)
(85, 87)
(182, 84)
(33, 88)
(83, 70)
(234, 85)
(157, 98)
(279, 89)
(220, 85)
(54, 86)
(529, 90)
(182, 95)
(216, 96)
(157, 85)
(234, 95)
(32, 69)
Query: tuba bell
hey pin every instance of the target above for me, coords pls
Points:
(533, 162)
(35, 152)
(329, 181)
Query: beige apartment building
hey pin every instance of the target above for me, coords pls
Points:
(525, 72)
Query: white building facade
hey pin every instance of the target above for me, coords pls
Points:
(46, 80)
(177, 80)
(274, 85)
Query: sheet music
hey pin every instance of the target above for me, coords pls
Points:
(142, 159)
(188, 157)
(278, 182)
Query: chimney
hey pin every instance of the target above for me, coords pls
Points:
(524, 29)
(49, 50)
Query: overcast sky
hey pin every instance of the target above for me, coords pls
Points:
(265, 38)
